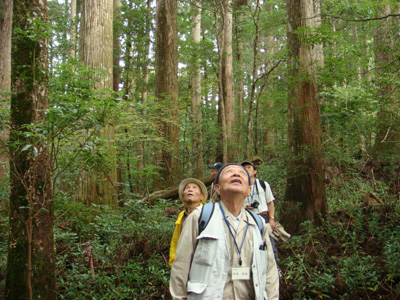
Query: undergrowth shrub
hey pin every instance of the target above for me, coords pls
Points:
(4, 226)
(105, 253)
(355, 254)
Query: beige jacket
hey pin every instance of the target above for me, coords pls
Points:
(279, 233)
(242, 289)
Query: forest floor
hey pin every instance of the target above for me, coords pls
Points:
(354, 255)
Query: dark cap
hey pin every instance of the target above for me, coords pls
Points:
(216, 181)
(217, 166)
(248, 163)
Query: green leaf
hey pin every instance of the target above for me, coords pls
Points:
(26, 147)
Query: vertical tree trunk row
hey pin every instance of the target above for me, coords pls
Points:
(197, 141)
(5, 78)
(31, 257)
(305, 191)
(96, 51)
(166, 86)
(227, 76)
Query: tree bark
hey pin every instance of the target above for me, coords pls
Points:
(72, 32)
(116, 48)
(197, 140)
(227, 76)
(31, 257)
(249, 128)
(96, 51)
(318, 47)
(166, 86)
(144, 80)
(268, 134)
(5, 79)
(239, 90)
(116, 81)
(305, 191)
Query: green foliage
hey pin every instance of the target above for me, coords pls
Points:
(355, 253)
(392, 253)
(74, 122)
(349, 121)
(4, 229)
(128, 247)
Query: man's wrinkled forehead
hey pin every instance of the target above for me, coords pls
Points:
(191, 184)
(228, 167)
(232, 167)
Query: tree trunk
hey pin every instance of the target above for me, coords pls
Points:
(116, 80)
(72, 32)
(116, 48)
(239, 90)
(96, 51)
(249, 128)
(166, 86)
(31, 257)
(318, 47)
(305, 191)
(197, 141)
(227, 76)
(268, 134)
(5, 79)
(144, 80)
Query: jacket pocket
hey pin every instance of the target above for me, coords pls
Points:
(206, 250)
(264, 261)
(196, 287)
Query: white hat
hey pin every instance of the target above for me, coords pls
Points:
(186, 181)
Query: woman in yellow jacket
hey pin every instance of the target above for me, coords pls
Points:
(192, 192)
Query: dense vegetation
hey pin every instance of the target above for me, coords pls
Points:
(354, 255)
(121, 251)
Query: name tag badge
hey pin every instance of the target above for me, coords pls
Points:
(240, 273)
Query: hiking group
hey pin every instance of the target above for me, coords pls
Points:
(225, 249)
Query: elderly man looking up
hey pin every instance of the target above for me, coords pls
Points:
(191, 192)
(230, 258)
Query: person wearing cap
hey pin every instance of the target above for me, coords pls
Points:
(192, 193)
(214, 170)
(230, 258)
(261, 199)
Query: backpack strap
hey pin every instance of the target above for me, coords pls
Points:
(208, 209)
(205, 216)
(257, 219)
(262, 183)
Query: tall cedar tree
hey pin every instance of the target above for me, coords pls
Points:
(96, 51)
(227, 78)
(305, 191)
(31, 257)
(197, 141)
(5, 74)
(166, 85)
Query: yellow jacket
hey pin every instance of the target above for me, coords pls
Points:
(175, 236)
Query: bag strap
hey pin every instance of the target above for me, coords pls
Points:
(205, 216)
(208, 209)
(262, 183)
(258, 220)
